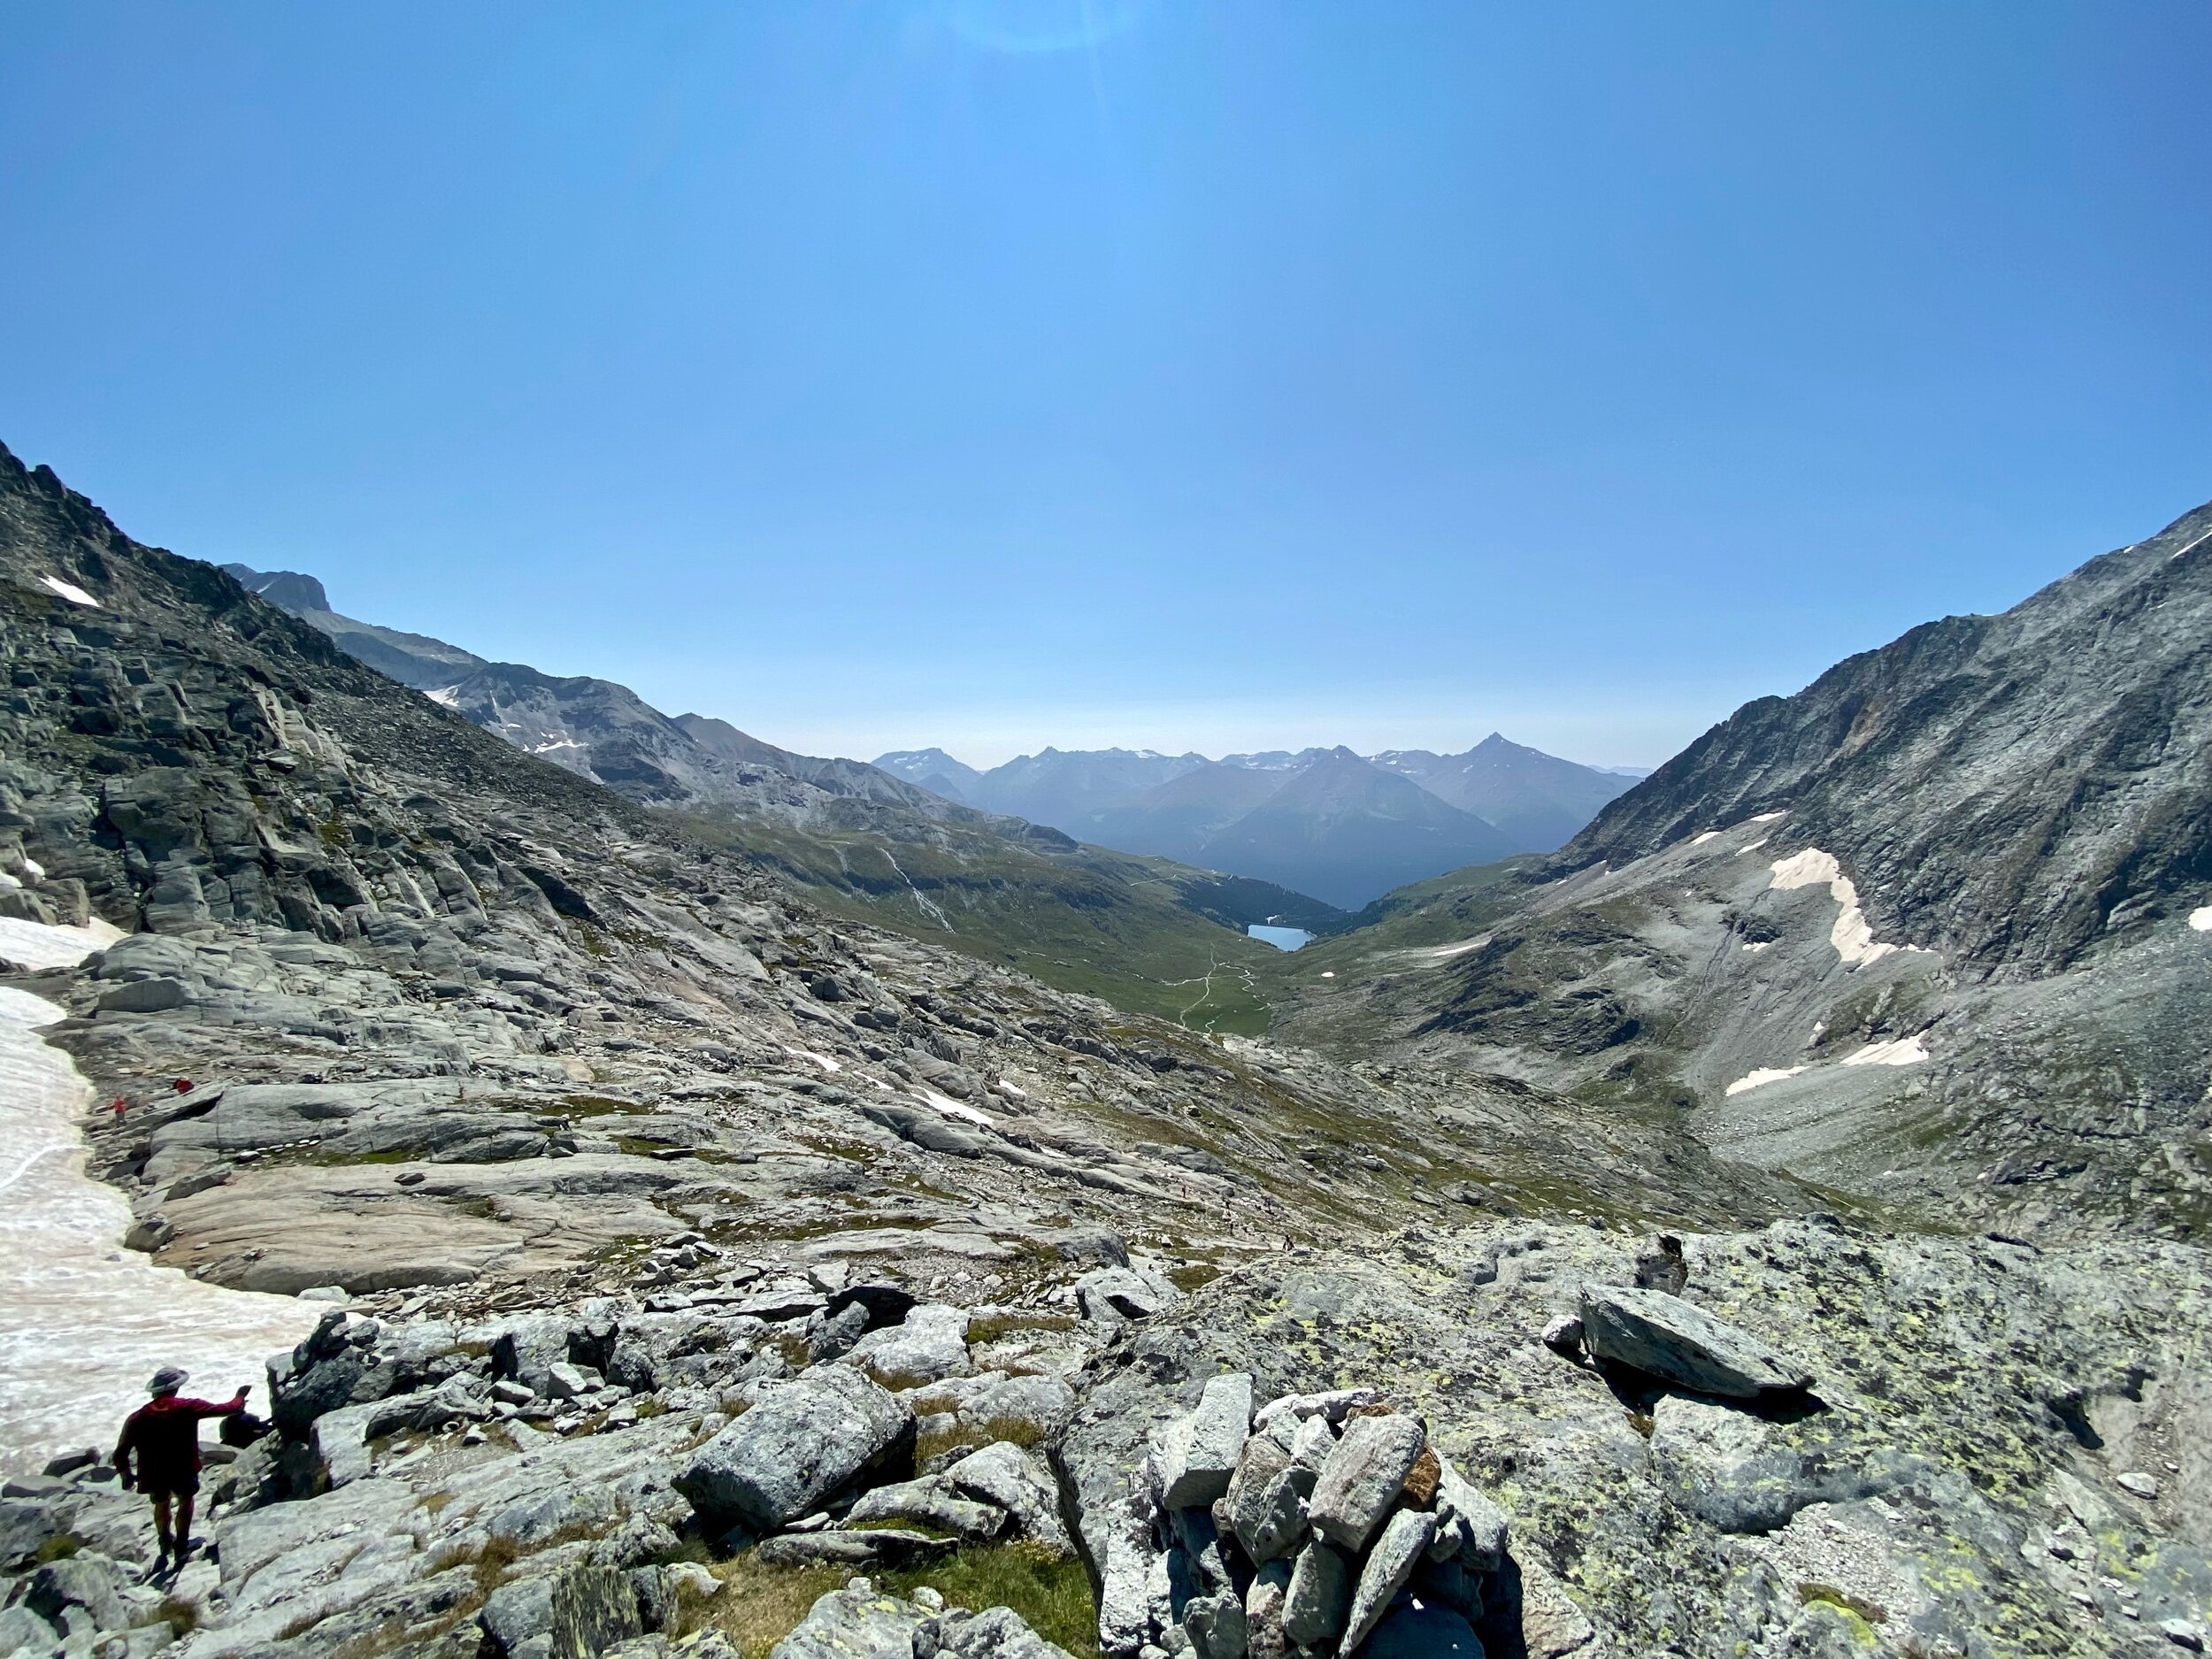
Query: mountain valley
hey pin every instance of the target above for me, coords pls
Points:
(1770, 1223)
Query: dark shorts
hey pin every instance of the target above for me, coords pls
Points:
(169, 1483)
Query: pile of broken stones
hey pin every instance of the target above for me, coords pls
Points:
(1320, 1522)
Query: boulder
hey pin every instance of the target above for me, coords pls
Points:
(1320, 1591)
(1404, 1541)
(1363, 1477)
(800, 1443)
(1217, 1626)
(77, 1581)
(1665, 1337)
(1004, 1474)
(1468, 1516)
(865, 1547)
(931, 1502)
(929, 1344)
(1202, 1450)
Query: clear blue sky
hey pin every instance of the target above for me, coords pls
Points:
(875, 375)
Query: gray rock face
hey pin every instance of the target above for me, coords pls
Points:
(1390, 1565)
(1681, 1343)
(860, 1622)
(1200, 1452)
(802, 1442)
(1740, 1474)
(1363, 1477)
(930, 1343)
(1319, 1597)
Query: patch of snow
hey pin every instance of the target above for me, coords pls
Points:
(2199, 543)
(1699, 840)
(558, 742)
(35, 870)
(951, 1107)
(7, 881)
(1762, 1076)
(449, 695)
(37, 945)
(2201, 919)
(1763, 945)
(1328, 973)
(88, 1321)
(1900, 1051)
(1012, 1091)
(1853, 935)
(70, 591)
(825, 1062)
(1768, 817)
(1443, 952)
(1753, 848)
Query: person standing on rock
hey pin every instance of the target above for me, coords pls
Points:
(164, 1437)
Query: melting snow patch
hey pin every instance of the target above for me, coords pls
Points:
(2201, 919)
(1699, 840)
(1753, 848)
(449, 695)
(87, 1320)
(70, 591)
(36, 945)
(1901, 1051)
(1442, 952)
(952, 1108)
(1768, 817)
(1328, 973)
(822, 1060)
(558, 742)
(1763, 1075)
(1852, 936)
(1761, 945)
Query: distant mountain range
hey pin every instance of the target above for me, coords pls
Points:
(1326, 823)
(1341, 827)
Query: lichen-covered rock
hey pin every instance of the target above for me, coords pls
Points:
(803, 1441)
(1318, 1595)
(1363, 1477)
(1389, 1567)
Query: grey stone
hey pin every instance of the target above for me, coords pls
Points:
(1390, 1564)
(1363, 1477)
(1264, 1458)
(1217, 1626)
(800, 1443)
(861, 1547)
(1319, 1595)
(929, 1344)
(1278, 1522)
(517, 1611)
(1003, 1473)
(1202, 1450)
(1264, 1611)
(997, 1632)
(1667, 1338)
(79, 1581)
(931, 1502)
(1736, 1471)
(1478, 1523)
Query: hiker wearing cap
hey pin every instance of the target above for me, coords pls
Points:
(164, 1437)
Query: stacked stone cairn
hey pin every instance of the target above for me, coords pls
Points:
(1321, 1523)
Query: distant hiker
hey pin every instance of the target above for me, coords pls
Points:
(183, 1085)
(165, 1436)
(119, 1108)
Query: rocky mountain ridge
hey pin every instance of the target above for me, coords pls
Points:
(1932, 932)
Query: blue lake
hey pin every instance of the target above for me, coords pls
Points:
(1281, 938)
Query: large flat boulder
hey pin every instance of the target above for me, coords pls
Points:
(1679, 1342)
(1361, 1480)
(800, 1444)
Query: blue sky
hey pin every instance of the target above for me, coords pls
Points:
(875, 375)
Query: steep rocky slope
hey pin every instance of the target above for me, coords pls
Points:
(1933, 932)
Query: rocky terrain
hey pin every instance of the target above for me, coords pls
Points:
(704, 1273)
(1931, 933)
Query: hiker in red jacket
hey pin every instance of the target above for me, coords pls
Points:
(164, 1435)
